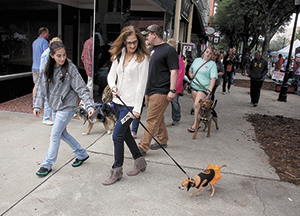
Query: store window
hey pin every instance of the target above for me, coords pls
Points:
(19, 24)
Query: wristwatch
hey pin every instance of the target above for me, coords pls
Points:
(173, 90)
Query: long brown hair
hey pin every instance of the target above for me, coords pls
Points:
(141, 50)
(49, 68)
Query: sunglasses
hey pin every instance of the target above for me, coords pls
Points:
(131, 42)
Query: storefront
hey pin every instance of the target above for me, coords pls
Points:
(73, 21)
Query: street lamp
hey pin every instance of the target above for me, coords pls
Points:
(284, 87)
(259, 27)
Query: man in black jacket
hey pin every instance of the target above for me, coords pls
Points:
(258, 70)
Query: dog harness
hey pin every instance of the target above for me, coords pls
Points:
(206, 174)
(205, 119)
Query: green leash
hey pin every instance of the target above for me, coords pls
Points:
(200, 85)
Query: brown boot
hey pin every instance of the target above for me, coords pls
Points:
(115, 174)
(139, 165)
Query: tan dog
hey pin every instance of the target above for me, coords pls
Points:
(210, 176)
(207, 114)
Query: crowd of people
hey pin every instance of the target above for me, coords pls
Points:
(144, 69)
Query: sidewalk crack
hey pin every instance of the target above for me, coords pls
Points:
(260, 199)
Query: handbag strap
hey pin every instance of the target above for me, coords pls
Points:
(200, 68)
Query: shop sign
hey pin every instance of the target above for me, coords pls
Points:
(216, 40)
(186, 47)
(209, 30)
(185, 8)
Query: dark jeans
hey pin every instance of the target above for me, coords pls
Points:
(122, 133)
(213, 92)
(135, 122)
(227, 77)
(176, 112)
(255, 87)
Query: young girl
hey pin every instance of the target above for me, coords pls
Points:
(61, 83)
(131, 72)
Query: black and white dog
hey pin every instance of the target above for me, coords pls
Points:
(104, 114)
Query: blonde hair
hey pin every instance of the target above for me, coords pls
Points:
(172, 42)
(141, 50)
(54, 39)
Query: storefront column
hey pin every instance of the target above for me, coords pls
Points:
(189, 35)
(177, 21)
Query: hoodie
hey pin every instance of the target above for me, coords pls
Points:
(63, 96)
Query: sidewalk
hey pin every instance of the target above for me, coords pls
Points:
(249, 185)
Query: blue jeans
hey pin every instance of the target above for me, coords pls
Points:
(122, 133)
(47, 110)
(176, 112)
(58, 132)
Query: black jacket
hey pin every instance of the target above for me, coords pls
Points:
(258, 69)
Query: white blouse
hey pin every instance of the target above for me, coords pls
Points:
(131, 82)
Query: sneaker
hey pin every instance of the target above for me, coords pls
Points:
(78, 162)
(48, 122)
(142, 151)
(229, 91)
(255, 104)
(223, 93)
(155, 146)
(42, 172)
(175, 123)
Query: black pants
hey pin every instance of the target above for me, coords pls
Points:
(213, 92)
(255, 87)
(227, 77)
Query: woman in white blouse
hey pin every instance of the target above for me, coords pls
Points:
(127, 78)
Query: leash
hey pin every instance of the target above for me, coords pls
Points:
(200, 85)
(153, 137)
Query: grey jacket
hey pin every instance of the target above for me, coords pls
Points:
(63, 96)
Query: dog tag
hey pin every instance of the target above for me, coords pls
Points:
(125, 119)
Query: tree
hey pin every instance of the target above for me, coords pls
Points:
(238, 20)
(279, 43)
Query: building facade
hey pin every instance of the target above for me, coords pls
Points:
(74, 21)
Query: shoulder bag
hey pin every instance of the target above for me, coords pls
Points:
(107, 95)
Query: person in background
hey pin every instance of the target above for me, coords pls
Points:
(204, 81)
(87, 59)
(62, 84)
(236, 62)
(176, 112)
(160, 89)
(38, 47)
(247, 62)
(257, 72)
(135, 122)
(285, 63)
(216, 58)
(279, 62)
(228, 62)
(131, 72)
(44, 59)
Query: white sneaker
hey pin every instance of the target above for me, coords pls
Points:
(229, 91)
(223, 93)
(48, 122)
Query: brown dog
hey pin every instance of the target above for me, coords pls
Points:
(210, 176)
(207, 114)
